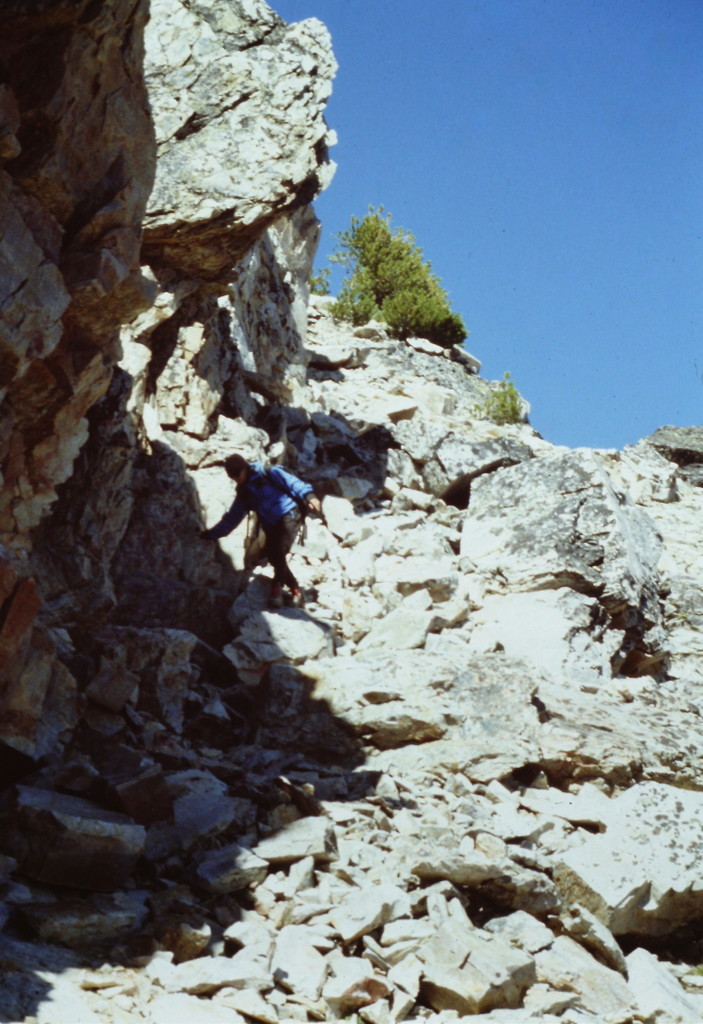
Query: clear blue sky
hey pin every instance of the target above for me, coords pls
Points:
(547, 155)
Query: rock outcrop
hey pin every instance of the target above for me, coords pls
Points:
(465, 778)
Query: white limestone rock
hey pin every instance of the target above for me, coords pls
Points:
(474, 972)
(402, 629)
(208, 85)
(353, 984)
(521, 930)
(296, 964)
(563, 621)
(435, 573)
(585, 927)
(306, 837)
(367, 908)
(230, 868)
(568, 967)
(207, 974)
(588, 806)
(641, 875)
(342, 520)
(660, 996)
(166, 1008)
(288, 634)
(389, 696)
(558, 521)
(462, 866)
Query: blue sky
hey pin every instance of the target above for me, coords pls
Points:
(547, 155)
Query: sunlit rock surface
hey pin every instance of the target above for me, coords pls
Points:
(463, 780)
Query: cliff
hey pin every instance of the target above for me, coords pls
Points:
(465, 778)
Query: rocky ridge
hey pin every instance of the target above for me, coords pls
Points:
(464, 780)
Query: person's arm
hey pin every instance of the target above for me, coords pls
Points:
(230, 521)
(296, 488)
(314, 503)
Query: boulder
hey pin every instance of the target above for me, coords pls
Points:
(165, 1008)
(306, 837)
(296, 964)
(682, 445)
(353, 985)
(66, 840)
(368, 908)
(568, 967)
(639, 876)
(217, 74)
(85, 924)
(208, 974)
(230, 868)
(660, 995)
(557, 521)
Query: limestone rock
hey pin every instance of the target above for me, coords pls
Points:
(482, 974)
(65, 840)
(84, 924)
(209, 85)
(639, 876)
(521, 517)
(166, 1008)
(230, 868)
(568, 967)
(288, 635)
(368, 908)
(296, 964)
(208, 974)
(93, 171)
(660, 996)
(682, 445)
(353, 985)
(307, 837)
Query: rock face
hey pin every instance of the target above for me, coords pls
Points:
(237, 98)
(468, 769)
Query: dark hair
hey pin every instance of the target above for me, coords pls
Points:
(234, 464)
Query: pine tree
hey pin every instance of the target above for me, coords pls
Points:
(388, 279)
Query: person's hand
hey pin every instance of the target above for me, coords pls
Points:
(314, 503)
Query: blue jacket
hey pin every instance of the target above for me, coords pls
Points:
(270, 493)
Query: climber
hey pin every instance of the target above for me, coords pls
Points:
(280, 501)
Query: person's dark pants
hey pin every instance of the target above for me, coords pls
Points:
(279, 540)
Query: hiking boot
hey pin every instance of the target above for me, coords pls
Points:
(276, 596)
(297, 598)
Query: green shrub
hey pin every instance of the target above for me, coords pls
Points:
(389, 280)
(503, 405)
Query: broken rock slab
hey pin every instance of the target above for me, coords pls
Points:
(230, 868)
(642, 875)
(368, 908)
(568, 967)
(558, 521)
(307, 837)
(289, 635)
(390, 696)
(660, 996)
(202, 807)
(167, 1008)
(85, 924)
(296, 964)
(352, 985)
(66, 840)
(208, 974)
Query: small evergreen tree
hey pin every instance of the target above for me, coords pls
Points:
(388, 279)
(503, 405)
